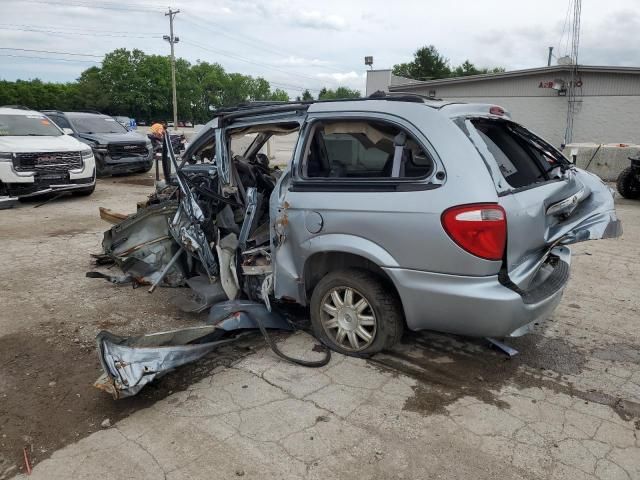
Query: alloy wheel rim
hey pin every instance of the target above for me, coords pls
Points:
(348, 319)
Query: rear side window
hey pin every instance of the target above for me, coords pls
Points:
(362, 149)
(60, 121)
(523, 158)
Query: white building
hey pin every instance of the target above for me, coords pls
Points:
(607, 108)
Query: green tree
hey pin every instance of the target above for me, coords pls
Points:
(135, 84)
(90, 93)
(279, 95)
(306, 96)
(338, 93)
(468, 68)
(208, 81)
(427, 64)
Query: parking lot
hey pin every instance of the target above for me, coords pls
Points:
(437, 406)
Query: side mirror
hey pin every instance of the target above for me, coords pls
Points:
(68, 131)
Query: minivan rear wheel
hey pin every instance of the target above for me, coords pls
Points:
(354, 312)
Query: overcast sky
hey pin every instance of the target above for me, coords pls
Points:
(296, 43)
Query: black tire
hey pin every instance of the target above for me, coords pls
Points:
(84, 192)
(382, 301)
(628, 183)
(146, 169)
(100, 171)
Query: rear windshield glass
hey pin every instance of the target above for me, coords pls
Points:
(522, 157)
(96, 124)
(27, 126)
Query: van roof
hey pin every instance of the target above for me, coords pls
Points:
(450, 109)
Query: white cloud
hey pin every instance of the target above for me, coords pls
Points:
(303, 62)
(352, 80)
(341, 77)
(315, 19)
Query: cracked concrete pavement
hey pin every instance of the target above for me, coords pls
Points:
(436, 406)
(263, 418)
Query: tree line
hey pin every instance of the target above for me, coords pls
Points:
(135, 84)
(132, 83)
(138, 85)
(429, 64)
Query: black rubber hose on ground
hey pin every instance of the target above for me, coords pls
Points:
(297, 361)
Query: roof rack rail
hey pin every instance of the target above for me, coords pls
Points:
(17, 107)
(269, 106)
(400, 97)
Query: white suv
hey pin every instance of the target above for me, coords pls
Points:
(37, 157)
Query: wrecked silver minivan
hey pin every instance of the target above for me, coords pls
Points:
(393, 212)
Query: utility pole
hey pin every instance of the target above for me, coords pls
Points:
(172, 41)
(550, 54)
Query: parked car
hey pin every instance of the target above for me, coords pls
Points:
(37, 157)
(126, 122)
(116, 149)
(395, 211)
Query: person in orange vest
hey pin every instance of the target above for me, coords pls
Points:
(158, 128)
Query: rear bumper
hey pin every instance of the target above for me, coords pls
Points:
(477, 306)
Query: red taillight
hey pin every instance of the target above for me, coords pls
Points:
(496, 110)
(480, 229)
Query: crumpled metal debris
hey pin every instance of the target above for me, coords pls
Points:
(142, 247)
(192, 236)
(130, 363)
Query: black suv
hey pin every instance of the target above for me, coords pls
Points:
(116, 150)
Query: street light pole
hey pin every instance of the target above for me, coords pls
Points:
(172, 41)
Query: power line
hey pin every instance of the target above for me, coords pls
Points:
(104, 6)
(292, 86)
(259, 44)
(564, 26)
(49, 58)
(242, 59)
(82, 30)
(295, 87)
(91, 34)
(54, 52)
(255, 43)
